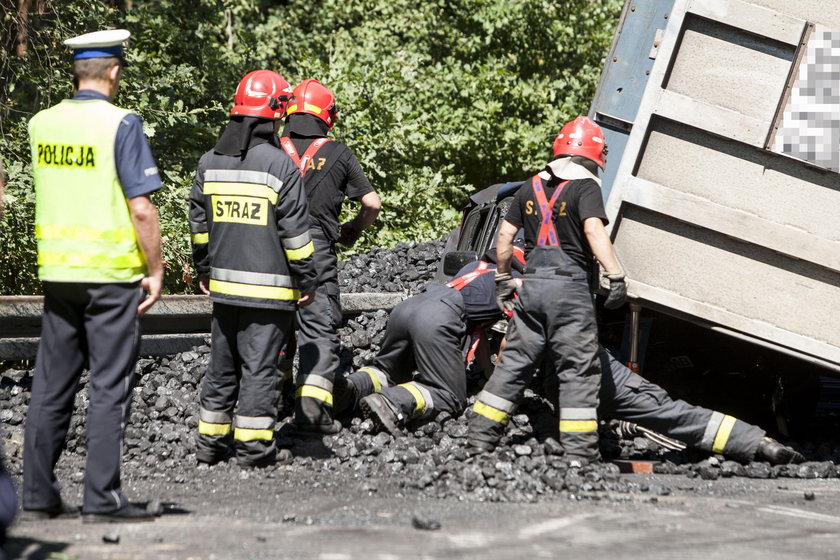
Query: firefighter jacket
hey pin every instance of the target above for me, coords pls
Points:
(250, 229)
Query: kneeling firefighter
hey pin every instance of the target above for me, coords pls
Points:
(253, 253)
(426, 332)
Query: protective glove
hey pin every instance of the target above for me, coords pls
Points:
(618, 291)
(505, 290)
(348, 234)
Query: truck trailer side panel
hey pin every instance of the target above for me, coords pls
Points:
(724, 203)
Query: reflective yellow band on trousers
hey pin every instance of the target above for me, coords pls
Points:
(578, 426)
(493, 414)
(723, 433)
(314, 393)
(129, 261)
(250, 290)
(81, 233)
(302, 253)
(245, 434)
(208, 429)
(377, 386)
(200, 238)
(418, 397)
(243, 189)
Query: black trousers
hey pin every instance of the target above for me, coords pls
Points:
(629, 396)
(426, 332)
(242, 377)
(317, 338)
(554, 320)
(93, 325)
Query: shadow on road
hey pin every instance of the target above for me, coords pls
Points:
(24, 548)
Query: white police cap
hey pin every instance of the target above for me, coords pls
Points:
(99, 43)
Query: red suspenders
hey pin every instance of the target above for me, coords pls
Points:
(459, 283)
(310, 152)
(462, 281)
(548, 234)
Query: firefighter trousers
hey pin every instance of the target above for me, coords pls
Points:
(317, 339)
(426, 332)
(553, 320)
(628, 396)
(238, 390)
(84, 325)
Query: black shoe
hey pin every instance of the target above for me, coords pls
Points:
(266, 460)
(775, 453)
(319, 429)
(127, 514)
(478, 447)
(377, 408)
(210, 457)
(61, 511)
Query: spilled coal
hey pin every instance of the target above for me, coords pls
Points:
(430, 460)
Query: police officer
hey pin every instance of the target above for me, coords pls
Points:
(253, 253)
(562, 212)
(330, 172)
(427, 332)
(98, 244)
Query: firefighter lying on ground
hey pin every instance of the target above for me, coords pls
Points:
(429, 327)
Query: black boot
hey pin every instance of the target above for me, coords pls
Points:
(775, 453)
(382, 412)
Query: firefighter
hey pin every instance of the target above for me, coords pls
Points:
(98, 250)
(562, 213)
(330, 173)
(427, 332)
(629, 396)
(646, 409)
(253, 253)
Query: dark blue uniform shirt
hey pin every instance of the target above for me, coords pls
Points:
(136, 166)
(480, 295)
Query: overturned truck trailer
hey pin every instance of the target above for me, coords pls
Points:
(723, 123)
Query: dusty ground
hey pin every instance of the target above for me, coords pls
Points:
(224, 512)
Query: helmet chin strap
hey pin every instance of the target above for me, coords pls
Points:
(565, 169)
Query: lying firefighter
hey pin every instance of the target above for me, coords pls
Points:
(430, 330)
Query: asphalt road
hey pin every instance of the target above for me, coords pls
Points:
(230, 515)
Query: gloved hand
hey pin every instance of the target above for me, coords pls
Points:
(618, 291)
(505, 290)
(348, 234)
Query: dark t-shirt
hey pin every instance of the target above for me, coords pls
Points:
(480, 295)
(580, 199)
(133, 158)
(333, 173)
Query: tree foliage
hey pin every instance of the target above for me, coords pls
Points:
(436, 98)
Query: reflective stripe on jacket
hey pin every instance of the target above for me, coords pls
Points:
(250, 229)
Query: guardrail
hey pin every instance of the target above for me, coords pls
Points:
(175, 324)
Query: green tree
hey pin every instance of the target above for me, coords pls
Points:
(436, 99)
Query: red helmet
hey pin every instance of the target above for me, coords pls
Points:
(261, 93)
(582, 137)
(313, 98)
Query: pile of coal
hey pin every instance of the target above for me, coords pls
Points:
(407, 268)
(430, 460)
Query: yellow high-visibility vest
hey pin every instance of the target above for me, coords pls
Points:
(82, 220)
